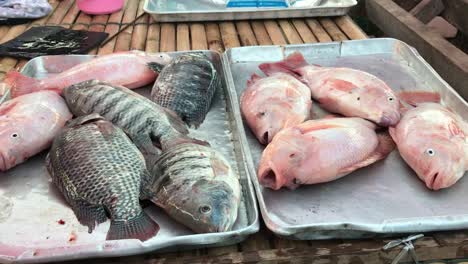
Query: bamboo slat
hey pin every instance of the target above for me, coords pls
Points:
(198, 36)
(318, 30)
(305, 32)
(290, 32)
(246, 35)
(276, 35)
(123, 40)
(183, 37)
(347, 25)
(168, 34)
(112, 27)
(261, 33)
(229, 35)
(153, 38)
(213, 36)
(140, 30)
(332, 29)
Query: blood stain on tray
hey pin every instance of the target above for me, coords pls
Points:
(61, 222)
(73, 237)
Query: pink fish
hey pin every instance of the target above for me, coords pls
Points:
(273, 103)
(318, 151)
(131, 69)
(28, 124)
(344, 91)
(433, 141)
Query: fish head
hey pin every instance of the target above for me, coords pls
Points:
(13, 143)
(380, 106)
(155, 61)
(206, 207)
(75, 93)
(437, 160)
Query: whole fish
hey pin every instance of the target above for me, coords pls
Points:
(344, 91)
(273, 103)
(28, 124)
(433, 141)
(187, 86)
(322, 150)
(131, 69)
(197, 187)
(99, 171)
(144, 121)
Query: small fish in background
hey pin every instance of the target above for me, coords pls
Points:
(187, 86)
(131, 69)
(324, 150)
(273, 103)
(99, 171)
(28, 124)
(145, 122)
(197, 187)
(433, 141)
(345, 91)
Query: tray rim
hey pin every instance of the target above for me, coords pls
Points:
(205, 239)
(292, 232)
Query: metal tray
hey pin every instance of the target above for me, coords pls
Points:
(196, 10)
(384, 199)
(30, 206)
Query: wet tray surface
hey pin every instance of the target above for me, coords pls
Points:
(36, 224)
(386, 198)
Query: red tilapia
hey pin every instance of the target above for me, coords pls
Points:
(131, 69)
(433, 141)
(28, 124)
(318, 151)
(273, 103)
(344, 91)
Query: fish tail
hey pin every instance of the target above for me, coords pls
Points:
(288, 65)
(168, 143)
(20, 84)
(141, 227)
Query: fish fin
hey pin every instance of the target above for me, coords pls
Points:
(288, 65)
(88, 214)
(414, 98)
(156, 67)
(315, 126)
(385, 146)
(253, 79)
(141, 227)
(20, 84)
(7, 107)
(176, 122)
(81, 120)
(341, 85)
(170, 143)
(220, 169)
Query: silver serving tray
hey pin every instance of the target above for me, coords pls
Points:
(196, 10)
(30, 206)
(386, 198)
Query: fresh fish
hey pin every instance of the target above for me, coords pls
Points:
(433, 141)
(344, 91)
(131, 69)
(28, 124)
(273, 103)
(99, 171)
(197, 187)
(145, 121)
(322, 150)
(187, 86)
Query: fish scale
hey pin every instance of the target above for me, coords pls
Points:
(98, 169)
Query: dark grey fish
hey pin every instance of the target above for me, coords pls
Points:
(99, 171)
(197, 187)
(187, 86)
(144, 121)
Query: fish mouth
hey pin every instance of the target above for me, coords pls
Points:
(3, 164)
(432, 182)
(269, 179)
(389, 119)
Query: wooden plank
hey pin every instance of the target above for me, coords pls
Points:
(246, 35)
(450, 62)
(60, 12)
(275, 33)
(153, 38)
(168, 37)
(183, 37)
(198, 36)
(213, 36)
(290, 32)
(82, 22)
(261, 33)
(140, 30)
(318, 30)
(347, 25)
(112, 27)
(98, 25)
(305, 32)
(332, 29)
(455, 13)
(229, 35)
(124, 38)
(71, 15)
(426, 10)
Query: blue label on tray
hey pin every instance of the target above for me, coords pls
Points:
(257, 3)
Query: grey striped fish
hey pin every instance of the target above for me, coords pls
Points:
(99, 170)
(187, 86)
(197, 187)
(145, 121)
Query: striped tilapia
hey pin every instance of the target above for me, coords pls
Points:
(145, 121)
(99, 171)
(187, 86)
(197, 187)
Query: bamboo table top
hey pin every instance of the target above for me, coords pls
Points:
(153, 37)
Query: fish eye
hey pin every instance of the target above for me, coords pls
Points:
(14, 135)
(359, 98)
(430, 152)
(391, 99)
(205, 209)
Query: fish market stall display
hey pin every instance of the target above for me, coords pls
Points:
(390, 121)
(125, 175)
